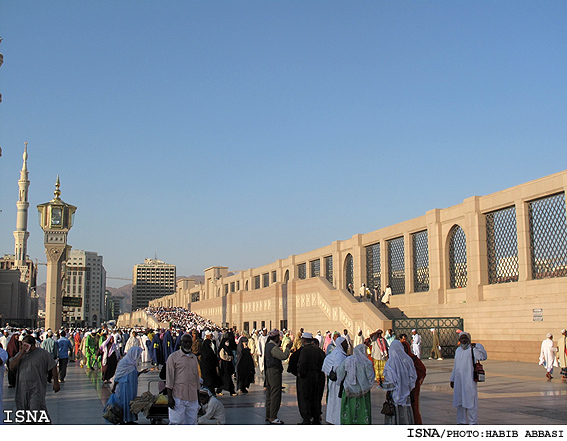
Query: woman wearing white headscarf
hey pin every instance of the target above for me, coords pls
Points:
(358, 375)
(332, 363)
(110, 357)
(126, 382)
(400, 376)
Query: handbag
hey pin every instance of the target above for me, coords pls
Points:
(224, 355)
(388, 408)
(112, 411)
(478, 370)
(333, 375)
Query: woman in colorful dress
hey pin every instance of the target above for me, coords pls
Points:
(358, 375)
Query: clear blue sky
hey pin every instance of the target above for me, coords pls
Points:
(237, 133)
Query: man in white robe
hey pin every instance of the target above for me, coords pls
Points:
(262, 339)
(416, 343)
(358, 339)
(331, 363)
(146, 354)
(548, 356)
(134, 340)
(386, 297)
(562, 354)
(465, 394)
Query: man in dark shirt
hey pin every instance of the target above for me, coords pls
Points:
(32, 364)
(310, 380)
(273, 375)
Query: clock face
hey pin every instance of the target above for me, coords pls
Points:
(56, 216)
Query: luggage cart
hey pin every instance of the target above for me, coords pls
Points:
(158, 412)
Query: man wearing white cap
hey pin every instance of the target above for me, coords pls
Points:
(465, 394)
(548, 356)
(562, 354)
(310, 380)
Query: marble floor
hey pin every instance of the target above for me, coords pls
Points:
(513, 394)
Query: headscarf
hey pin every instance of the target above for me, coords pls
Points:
(108, 348)
(400, 371)
(335, 358)
(328, 340)
(128, 363)
(359, 371)
(240, 347)
(13, 345)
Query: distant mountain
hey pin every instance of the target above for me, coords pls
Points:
(198, 279)
(124, 291)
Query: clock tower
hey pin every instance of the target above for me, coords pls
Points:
(56, 219)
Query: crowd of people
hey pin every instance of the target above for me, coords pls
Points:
(202, 361)
(179, 317)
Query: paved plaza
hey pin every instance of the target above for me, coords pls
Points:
(514, 394)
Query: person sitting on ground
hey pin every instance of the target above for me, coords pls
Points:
(212, 411)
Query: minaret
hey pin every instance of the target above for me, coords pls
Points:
(21, 234)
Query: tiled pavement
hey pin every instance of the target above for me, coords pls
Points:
(514, 394)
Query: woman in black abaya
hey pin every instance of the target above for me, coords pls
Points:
(226, 367)
(244, 366)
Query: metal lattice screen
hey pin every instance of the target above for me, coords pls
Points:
(420, 261)
(256, 282)
(446, 329)
(302, 271)
(548, 237)
(502, 246)
(315, 268)
(457, 258)
(396, 266)
(373, 275)
(349, 267)
(265, 280)
(329, 268)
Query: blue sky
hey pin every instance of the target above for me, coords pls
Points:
(237, 133)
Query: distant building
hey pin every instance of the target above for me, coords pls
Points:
(113, 306)
(151, 280)
(85, 279)
(18, 274)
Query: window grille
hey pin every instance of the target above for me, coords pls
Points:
(302, 271)
(420, 261)
(329, 268)
(315, 268)
(457, 258)
(373, 275)
(548, 237)
(265, 280)
(396, 266)
(256, 282)
(349, 269)
(502, 246)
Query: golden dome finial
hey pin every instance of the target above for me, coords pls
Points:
(57, 192)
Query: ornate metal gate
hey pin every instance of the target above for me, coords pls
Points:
(446, 329)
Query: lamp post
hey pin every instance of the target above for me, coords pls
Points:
(55, 219)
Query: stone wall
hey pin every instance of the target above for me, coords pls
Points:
(500, 315)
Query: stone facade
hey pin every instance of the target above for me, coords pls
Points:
(507, 279)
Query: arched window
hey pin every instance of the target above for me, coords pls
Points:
(286, 277)
(349, 270)
(246, 286)
(457, 257)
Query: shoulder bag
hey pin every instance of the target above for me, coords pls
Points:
(478, 369)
